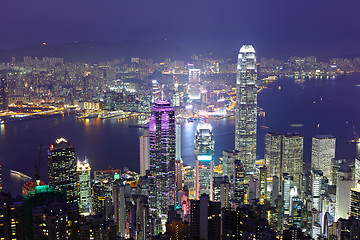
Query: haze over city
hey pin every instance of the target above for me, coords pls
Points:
(321, 28)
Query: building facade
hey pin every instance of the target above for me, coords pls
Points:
(204, 163)
(62, 169)
(194, 84)
(162, 158)
(83, 171)
(322, 152)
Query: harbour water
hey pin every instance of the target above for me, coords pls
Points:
(316, 106)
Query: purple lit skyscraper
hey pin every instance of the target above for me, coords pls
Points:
(162, 158)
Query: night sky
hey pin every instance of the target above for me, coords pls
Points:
(310, 27)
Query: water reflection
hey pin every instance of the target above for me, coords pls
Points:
(2, 129)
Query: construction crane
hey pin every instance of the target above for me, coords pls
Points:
(37, 166)
(356, 135)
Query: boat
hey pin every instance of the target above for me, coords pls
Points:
(19, 174)
(299, 81)
(88, 115)
(112, 114)
(270, 78)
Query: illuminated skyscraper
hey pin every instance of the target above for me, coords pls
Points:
(179, 162)
(62, 169)
(194, 84)
(4, 101)
(246, 107)
(323, 151)
(162, 158)
(144, 154)
(273, 156)
(204, 164)
(292, 156)
(83, 170)
(284, 154)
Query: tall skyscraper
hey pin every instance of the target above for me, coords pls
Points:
(178, 141)
(273, 156)
(162, 158)
(323, 151)
(144, 154)
(284, 154)
(179, 162)
(194, 84)
(83, 171)
(4, 100)
(246, 107)
(204, 163)
(62, 169)
(292, 156)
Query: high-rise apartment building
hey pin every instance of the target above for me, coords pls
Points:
(83, 171)
(322, 153)
(204, 163)
(194, 84)
(62, 169)
(162, 158)
(144, 154)
(284, 154)
(4, 100)
(246, 107)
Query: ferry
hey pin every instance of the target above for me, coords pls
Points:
(270, 78)
(19, 174)
(299, 81)
(88, 115)
(112, 114)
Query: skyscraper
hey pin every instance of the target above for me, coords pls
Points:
(204, 164)
(284, 154)
(162, 158)
(273, 156)
(292, 156)
(246, 107)
(194, 84)
(83, 170)
(62, 169)
(4, 101)
(144, 154)
(323, 151)
(179, 162)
